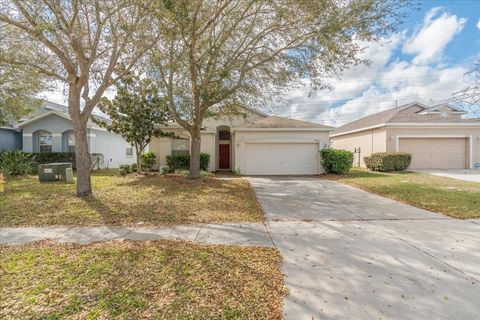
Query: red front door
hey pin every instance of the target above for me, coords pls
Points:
(224, 155)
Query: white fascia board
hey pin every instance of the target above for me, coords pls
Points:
(269, 141)
(283, 129)
(358, 130)
(410, 124)
(43, 115)
(433, 124)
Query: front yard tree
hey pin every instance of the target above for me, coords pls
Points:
(18, 86)
(225, 53)
(136, 113)
(81, 43)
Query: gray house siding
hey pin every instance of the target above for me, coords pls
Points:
(54, 124)
(10, 139)
(111, 145)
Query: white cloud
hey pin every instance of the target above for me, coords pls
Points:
(369, 89)
(478, 24)
(429, 42)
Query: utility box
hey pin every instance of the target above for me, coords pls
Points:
(53, 171)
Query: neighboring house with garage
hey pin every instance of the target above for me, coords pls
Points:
(49, 129)
(252, 143)
(436, 136)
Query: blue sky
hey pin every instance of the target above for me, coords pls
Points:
(425, 61)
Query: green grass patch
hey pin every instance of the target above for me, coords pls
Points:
(139, 280)
(455, 198)
(131, 200)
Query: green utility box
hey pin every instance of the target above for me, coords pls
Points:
(53, 171)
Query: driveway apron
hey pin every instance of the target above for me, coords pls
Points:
(349, 254)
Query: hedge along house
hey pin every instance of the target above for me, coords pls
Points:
(49, 129)
(252, 143)
(437, 136)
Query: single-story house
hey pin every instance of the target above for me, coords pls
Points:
(10, 138)
(252, 143)
(50, 129)
(436, 136)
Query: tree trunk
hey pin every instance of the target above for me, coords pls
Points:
(82, 156)
(195, 153)
(138, 151)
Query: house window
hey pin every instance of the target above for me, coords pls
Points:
(224, 135)
(129, 151)
(70, 142)
(180, 146)
(45, 141)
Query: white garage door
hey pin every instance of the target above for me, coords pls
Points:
(281, 158)
(435, 153)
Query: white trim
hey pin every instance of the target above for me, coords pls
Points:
(91, 135)
(433, 124)
(57, 135)
(10, 128)
(282, 129)
(409, 124)
(282, 141)
(358, 130)
(470, 137)
(43, 115)
(28, 134)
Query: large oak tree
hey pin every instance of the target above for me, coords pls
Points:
(86, 44)
(224, 53)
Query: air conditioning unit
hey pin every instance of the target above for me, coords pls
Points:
(53, 171)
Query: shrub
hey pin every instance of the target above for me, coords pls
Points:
(125, 167)
(147, 160)
(52, 157)
(134, 167)
(164, 170)
(16, 163)
(96, 161)
(122, 172)
(336, 161)
(388, 161)
(182, 161)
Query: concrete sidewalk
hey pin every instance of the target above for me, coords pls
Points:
(243, 234)
(472, 175)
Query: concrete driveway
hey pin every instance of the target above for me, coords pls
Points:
(349, 254)
(472, 175)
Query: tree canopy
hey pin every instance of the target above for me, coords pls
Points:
(86, 44)
(226, 53)
(138, 112)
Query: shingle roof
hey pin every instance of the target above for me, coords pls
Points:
(371, 120)
(408, 113)
(280, 122)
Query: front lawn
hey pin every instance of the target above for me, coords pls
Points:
(139, 280)
(455, 198)
(132, 200)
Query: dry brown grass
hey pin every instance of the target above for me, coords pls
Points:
(140, 280)
(132, 200)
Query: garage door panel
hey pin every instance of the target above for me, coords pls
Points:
(281, 158)
(435, 153)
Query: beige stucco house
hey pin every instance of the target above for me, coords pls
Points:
(437, 136)
(252, 143)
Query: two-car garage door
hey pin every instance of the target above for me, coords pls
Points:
(280, 158)
(436, 153)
